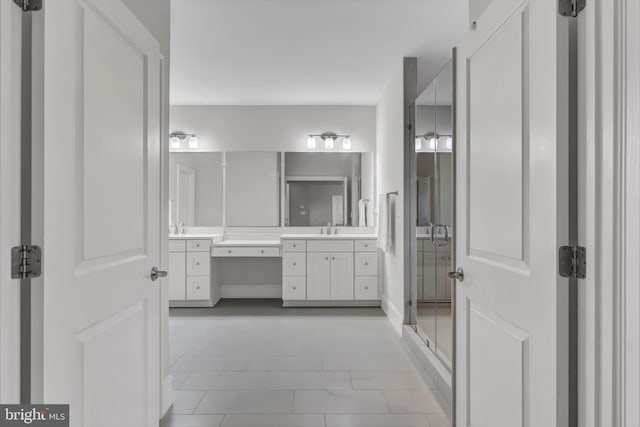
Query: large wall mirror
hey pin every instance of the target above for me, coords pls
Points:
(271, 189)
(328, 189)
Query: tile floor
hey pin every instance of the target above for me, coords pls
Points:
(256, 364)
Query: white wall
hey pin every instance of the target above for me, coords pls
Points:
(273, 128)
(390, 177)
(476, 8)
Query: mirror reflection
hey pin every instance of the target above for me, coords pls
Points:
(271, 189)
(434, 168)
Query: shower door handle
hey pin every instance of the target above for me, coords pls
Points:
(458, 274)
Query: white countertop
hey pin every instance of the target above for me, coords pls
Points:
(195, 236)
(329, 236)
(247, 243)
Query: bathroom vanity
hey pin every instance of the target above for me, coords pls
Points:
(329, 270)
(317, 270)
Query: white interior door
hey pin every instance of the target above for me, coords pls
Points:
(101, 202)
(512, 217)
(186, 189)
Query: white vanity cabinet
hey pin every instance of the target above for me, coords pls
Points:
(433, 265)
(189, 273)
(325, 270)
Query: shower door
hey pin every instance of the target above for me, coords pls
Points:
(434, 166)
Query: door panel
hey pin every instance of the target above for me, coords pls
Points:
(100, 150)
(318, 276)
(342, 276)
(511, 341)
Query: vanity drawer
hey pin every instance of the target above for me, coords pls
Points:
(329, 245)
(294, 288)
(366, 287)
(365, 245)
(197, 264)
(177, 245)
(366, 263)
(198, 245)
(294, 264)
(198, 288)
(243, 251)
(294, 245)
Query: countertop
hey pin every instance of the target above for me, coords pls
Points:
(329, 236)
(247, 243)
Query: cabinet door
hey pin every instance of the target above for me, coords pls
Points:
(177, 276)
(429, 276)
(318, 276)
(342, 276)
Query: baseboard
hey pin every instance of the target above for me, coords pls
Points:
(430, 366)
(395, 317)
(250, 291)
(166, 399)
(194, 303)
(331, 303)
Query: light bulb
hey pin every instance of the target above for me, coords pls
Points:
(174, 141)
(449, 143)
(193, 142)
(418, 144)
(433, 142)
(346, 144)
(311, 143)
(328, 143)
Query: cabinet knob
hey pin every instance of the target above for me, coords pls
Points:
(366, 287)
(327, 258)
(294, 263)
(198, 287)
(366, 245)
(197, 263)
(229, 251)
(366, 263)
(333, 258)
(294, 288)
(294, 245)
(197, 245)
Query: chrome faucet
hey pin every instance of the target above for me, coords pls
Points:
(328, 228)
(174, 228)
(182, 227)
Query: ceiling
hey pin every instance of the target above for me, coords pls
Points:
(304, 52)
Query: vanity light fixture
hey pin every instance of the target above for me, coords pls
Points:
(434, 142)
(311, 142)
(329, 139)
(175, 139)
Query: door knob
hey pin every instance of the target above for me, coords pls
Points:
(156, 274)
(458, 274)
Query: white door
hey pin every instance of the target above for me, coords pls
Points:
(186, 195)
(101, 202)
(512, 217)
(342, 278)
(318, 276)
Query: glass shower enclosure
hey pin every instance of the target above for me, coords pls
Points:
(434, 201)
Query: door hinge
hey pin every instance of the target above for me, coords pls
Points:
(572, 261)
(29, 5)
(26, 262)
(571, 7)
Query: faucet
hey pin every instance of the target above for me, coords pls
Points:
(182, 227)
(328, 228)
(174, 228)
